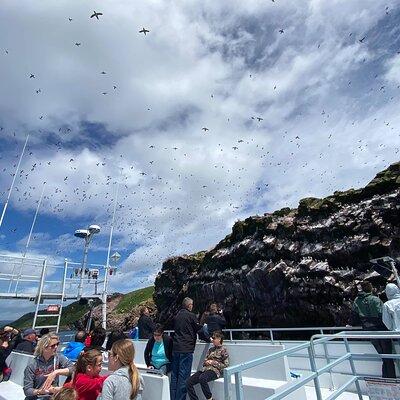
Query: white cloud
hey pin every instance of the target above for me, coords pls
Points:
(325, 118)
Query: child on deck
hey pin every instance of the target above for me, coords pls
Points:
(87, 380)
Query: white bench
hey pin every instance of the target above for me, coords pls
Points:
(258, 382)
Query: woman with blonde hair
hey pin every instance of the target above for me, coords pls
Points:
(125, 383)
(41, 375)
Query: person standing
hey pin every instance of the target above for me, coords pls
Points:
(216, 360)
(184, 341)
(28, 343)
(367, 310)
(145, 324)
(391, 309)
(215, 320)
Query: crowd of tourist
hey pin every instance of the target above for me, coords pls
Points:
(82, 359)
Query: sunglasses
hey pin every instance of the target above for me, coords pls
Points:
(55, 345)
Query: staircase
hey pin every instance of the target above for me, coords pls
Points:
(45, 295)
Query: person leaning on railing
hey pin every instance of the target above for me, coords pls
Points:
(216, 360)
(367, 310)
(41, 375)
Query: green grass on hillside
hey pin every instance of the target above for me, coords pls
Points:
(70, 314)
(75, 311)
(134, 298)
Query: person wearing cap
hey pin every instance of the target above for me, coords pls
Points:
(28, 343)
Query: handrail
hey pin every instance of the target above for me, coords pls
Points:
(237, 369)
(316, 372)
(321, 329)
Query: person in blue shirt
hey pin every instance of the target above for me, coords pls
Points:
(73, 349)
(158, 351)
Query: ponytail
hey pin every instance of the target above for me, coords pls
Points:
(135, 381)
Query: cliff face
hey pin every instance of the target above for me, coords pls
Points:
(294, 267)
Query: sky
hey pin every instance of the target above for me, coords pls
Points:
(223, 110)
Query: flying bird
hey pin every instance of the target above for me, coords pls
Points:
(31, 76)
(96, 14)
(281, 31)
(204, 129)
(362, 40)
(69, 19)
(260, 119)
(145, 31)
(77, 44)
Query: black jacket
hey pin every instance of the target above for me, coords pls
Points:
(26, 347)
(4, 353)
(146, 327)
(186, 328)
(149, 348)
(215, 322)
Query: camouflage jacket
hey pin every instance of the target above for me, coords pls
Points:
(216, 360)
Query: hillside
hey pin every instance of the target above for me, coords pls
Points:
(292, 267)
(120, 307)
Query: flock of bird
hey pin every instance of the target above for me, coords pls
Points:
(162, 190)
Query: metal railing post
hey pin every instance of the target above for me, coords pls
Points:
(271, 334)
(227, 386)
(328, 360)
(230, 335)
(314, 369)
(353, 368)
(239, 386)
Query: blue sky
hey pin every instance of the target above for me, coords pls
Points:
(322, 76)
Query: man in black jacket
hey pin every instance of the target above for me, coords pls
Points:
(162, 344)
(186, 328)
(28, 343)
(145, 324)
(215, 320)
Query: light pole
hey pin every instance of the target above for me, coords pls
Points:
(86, 234)
(107, 269)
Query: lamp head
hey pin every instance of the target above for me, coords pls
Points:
(94, 229)
(82, 233)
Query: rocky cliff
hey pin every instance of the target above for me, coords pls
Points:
(294, 267)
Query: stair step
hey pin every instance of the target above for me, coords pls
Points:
(45, 326)
(47, 315)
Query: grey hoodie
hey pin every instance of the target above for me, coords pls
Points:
(34, 375)
(118, 386)
(391, 309)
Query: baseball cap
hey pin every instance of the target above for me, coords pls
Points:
(28, 331)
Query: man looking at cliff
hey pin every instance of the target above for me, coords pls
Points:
(184, 341)
(145, 324)
(367, 310)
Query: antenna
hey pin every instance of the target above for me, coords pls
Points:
(13, 181)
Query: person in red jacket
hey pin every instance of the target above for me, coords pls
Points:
(87, 380)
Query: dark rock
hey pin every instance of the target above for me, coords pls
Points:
(296, 267)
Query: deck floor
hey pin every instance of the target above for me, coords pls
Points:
(310, 393)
